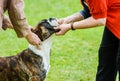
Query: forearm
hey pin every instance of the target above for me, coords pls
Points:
(73, 18)
(89, 23)
(83, 24)
(18, 19)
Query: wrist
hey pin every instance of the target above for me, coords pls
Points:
(28, 34)
(67, 19)
(72, 26)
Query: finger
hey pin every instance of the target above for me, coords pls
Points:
(58, 33)
(59, 21)
(38, 42)
(38, 47)
(57, 27)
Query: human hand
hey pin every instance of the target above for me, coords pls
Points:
(63, 28)
(33, 39)
(6, 23)
(62, 21)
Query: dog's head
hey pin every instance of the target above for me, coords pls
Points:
(45, 28)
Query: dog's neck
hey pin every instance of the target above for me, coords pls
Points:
(44, 52)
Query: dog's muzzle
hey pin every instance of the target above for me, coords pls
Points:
(51, 23)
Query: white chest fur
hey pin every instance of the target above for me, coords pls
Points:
(44, 52)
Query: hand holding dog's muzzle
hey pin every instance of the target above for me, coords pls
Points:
(63, 29)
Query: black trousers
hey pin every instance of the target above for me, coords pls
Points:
(109, 57)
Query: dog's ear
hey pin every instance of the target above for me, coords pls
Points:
(45, 23)
(41, 23)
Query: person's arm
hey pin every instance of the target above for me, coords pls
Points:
(89, 23)
(20, 24)
(83, 14)
(72, 18)
(17, 17)
(83, 24)
(98, 11)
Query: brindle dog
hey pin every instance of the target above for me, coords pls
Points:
(27, 66)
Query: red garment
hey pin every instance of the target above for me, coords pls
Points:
(109, 9)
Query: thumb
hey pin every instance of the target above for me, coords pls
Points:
(58, 32)
(38, 47)
(57, 29)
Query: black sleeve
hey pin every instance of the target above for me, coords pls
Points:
(85, 12)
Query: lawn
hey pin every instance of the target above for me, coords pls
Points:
(73, 56)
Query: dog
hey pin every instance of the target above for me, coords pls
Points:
(31, 64)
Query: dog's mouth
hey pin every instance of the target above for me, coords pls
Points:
(46, 28)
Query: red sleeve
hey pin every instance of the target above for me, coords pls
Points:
(98, 8)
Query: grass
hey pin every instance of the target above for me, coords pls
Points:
(73, 56)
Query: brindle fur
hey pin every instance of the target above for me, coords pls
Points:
(25, 66)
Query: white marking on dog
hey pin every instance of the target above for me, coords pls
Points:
(44, 52)
(53, 22)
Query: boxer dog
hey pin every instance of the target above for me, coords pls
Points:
(32, 64)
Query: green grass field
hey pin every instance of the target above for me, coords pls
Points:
(73, 56)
